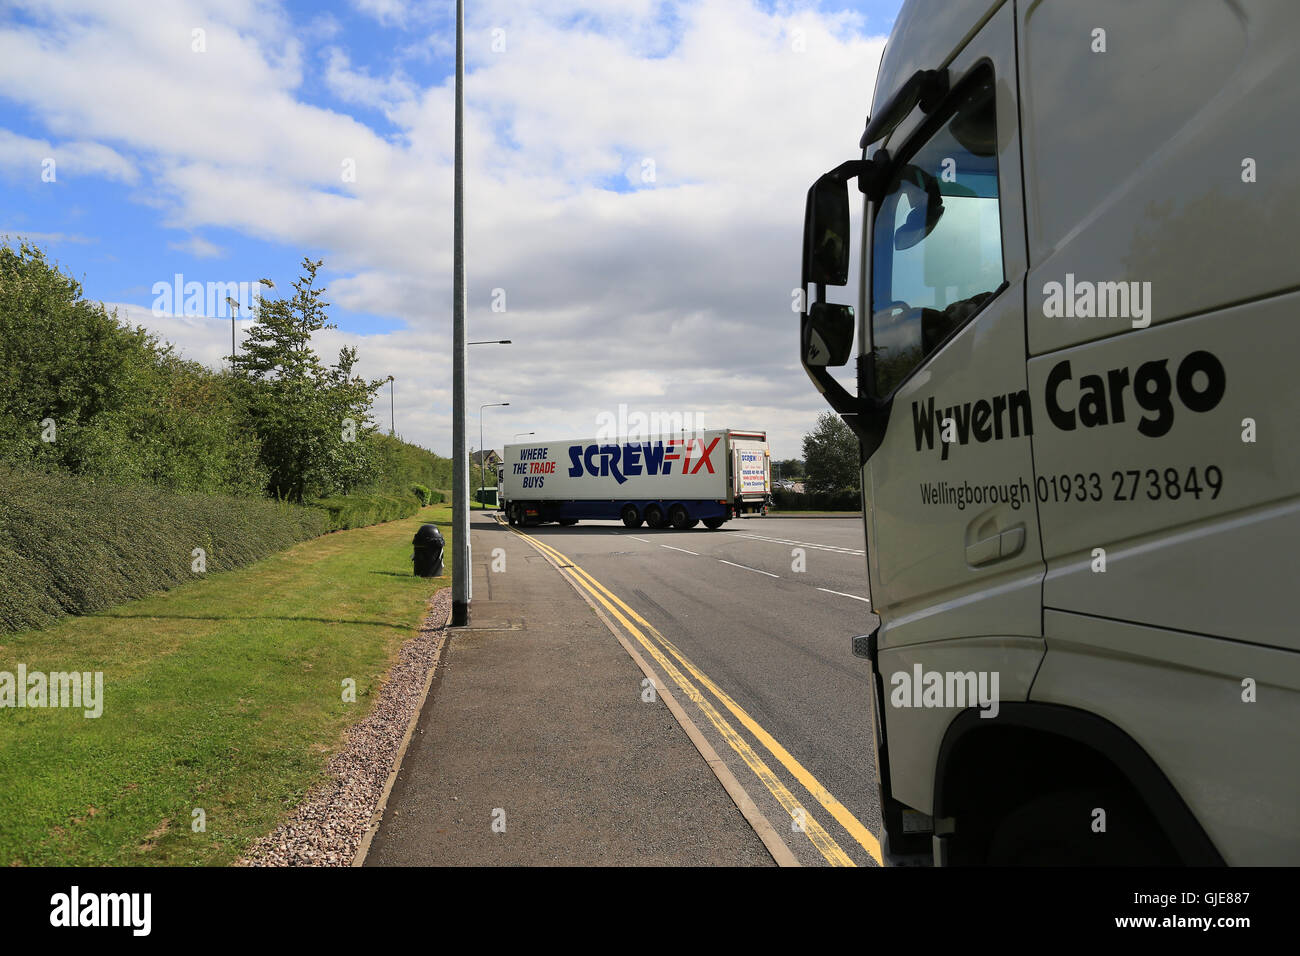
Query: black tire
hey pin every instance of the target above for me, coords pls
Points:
(713, 523)
(679, 517)
(512, 516)
(631, 517)
(693, 522)
(1056, 830)
(568, 522)
(654, 516)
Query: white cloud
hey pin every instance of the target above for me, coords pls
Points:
(358, 86)
(31, 158)
(199, 247)
(674, 296)
(39, 237)
(387, 12)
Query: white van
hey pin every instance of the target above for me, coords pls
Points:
(1078, 304)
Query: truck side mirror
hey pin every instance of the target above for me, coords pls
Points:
(828, 335)
(826, 232)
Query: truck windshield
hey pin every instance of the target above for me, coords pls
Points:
(937, 239)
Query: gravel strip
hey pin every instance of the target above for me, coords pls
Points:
(326, 829)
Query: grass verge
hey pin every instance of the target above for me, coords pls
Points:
(224, 695)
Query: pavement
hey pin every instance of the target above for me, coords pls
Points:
(538, 743)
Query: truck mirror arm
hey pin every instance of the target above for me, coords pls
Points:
(866, 416)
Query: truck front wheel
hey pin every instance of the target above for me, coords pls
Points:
(631, 517)
(1058, 830)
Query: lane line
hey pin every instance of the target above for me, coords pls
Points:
(682, 550)
(747, 568)
(817, 834)
(837, 810)
(802, 544)
(842, 594)
(635, 538)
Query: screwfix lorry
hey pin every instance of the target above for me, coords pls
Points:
(1077, 314)
(708, 476)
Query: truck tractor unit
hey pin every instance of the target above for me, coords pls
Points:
(1076, 294)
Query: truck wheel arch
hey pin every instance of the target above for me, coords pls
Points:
(1041, 743)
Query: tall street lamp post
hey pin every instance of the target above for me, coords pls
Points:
(234, 312)
(392, 409)
(460, 568)
(462, 580)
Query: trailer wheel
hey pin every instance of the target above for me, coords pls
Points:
(631, 517)
(679, 517)
(512, 516)
(713, 523)
(568, 522)
(693, 523)
(654, 517)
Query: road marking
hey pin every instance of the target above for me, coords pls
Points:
(841, 813)
(824, 842)
(635, 538)
(842, 594)
(801, 544)
(776, 845)
(682, 550)
(747, 568)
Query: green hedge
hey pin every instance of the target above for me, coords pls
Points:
(358, 511)
(784, 500)
(72, 546)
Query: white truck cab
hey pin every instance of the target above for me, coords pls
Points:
(1078, 315)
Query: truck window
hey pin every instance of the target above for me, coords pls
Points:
(937, 238)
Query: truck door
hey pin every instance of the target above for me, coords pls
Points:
(953, 540)
(955, 550)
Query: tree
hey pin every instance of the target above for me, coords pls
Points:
(790, 469)
(831, 454)
(313, 420)
(82, 392)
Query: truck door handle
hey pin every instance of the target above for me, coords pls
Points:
(1013, 540)
(984, 551)
(995, 547)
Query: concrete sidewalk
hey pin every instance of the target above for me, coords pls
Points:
(535, 721)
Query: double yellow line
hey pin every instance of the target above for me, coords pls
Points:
(656, 645)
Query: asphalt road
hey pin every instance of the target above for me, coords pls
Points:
(764, 608)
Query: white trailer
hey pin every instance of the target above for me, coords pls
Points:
(678, 481)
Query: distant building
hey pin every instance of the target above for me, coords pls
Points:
(492, 455)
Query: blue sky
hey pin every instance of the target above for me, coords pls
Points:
(228, 163)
